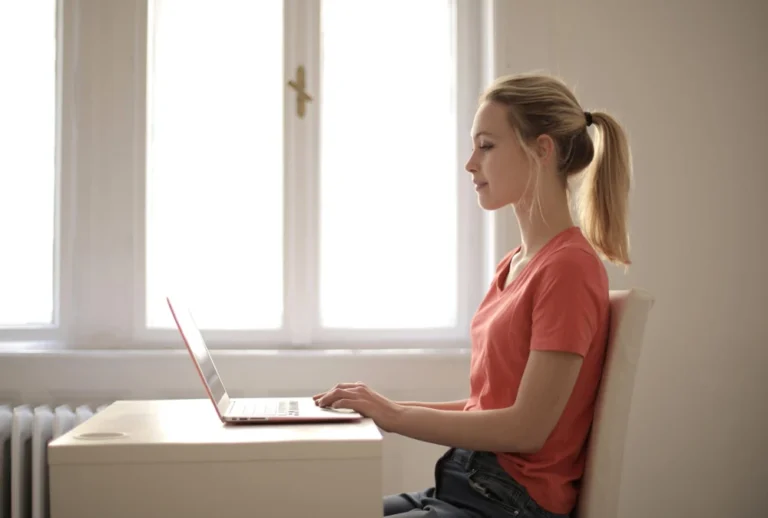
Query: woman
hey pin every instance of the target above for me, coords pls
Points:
(517, 444)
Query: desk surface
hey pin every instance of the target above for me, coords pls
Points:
(189, 429)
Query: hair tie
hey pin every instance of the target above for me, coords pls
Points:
(589, 118)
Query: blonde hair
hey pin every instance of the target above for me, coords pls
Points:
(539, 104)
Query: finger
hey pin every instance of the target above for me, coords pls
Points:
(334, 395)
(342, 403)
(316, 397)
(350, 385)
(324, 398)
(356, 405)
(341, 386)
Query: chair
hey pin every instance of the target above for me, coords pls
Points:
(601, 484)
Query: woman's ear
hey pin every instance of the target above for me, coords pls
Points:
(545, 148)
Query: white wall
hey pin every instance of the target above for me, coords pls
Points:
(688, 79)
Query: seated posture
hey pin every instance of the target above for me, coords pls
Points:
(516, 446)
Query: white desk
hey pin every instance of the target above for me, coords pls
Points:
(176, 459)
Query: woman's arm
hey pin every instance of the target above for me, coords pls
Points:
(439, 405)
(545, 389)
(443, 405)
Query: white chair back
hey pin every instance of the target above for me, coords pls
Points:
(601, 484)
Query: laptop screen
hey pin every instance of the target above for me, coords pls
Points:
(202, 356)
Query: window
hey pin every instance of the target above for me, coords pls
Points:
(27, 164)
(293, 169)
(214, 186)
(388, 197)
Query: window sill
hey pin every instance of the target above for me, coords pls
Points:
(48, 375)
(52, 348)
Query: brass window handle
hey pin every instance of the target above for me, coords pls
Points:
(302, 97)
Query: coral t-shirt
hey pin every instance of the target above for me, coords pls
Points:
(558, 302)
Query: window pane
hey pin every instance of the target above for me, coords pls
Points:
(27, 161)
(215, 173)
(388, 256)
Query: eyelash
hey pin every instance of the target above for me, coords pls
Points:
(486, 146)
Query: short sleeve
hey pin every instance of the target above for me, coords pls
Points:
(569, 304)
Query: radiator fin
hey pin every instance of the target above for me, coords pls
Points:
(25, 431)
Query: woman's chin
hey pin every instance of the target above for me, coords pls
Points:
(487, 202)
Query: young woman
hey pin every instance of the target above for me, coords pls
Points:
(517, 444)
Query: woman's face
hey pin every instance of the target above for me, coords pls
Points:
(500, 168)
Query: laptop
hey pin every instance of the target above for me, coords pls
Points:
(246, 410)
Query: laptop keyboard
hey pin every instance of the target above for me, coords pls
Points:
(282, 408)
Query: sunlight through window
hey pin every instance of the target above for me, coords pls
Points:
(27, 162)
(214, 219)
(388, 187)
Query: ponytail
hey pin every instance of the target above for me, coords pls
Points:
(540, 104)
(604, 195)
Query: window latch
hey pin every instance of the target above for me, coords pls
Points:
(302, 97)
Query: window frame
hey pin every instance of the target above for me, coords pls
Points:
(101, 217)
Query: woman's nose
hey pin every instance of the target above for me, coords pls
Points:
(470, 166)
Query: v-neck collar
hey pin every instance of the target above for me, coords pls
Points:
(502, 278)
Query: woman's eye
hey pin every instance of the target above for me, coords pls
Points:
(486, 146)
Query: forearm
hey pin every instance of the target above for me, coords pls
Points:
(443, 405)
(481, 430)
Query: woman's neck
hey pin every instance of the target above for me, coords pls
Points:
(538, 225)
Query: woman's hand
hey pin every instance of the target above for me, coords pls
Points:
(363, 400)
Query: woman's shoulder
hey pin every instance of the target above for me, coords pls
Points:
(571, 257)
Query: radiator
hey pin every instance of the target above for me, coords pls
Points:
(25, 431)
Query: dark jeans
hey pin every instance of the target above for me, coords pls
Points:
(467, 485)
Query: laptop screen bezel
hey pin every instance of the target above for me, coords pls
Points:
(189, 331)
